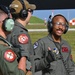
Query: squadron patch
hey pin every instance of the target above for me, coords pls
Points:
(9, 55)
(23, 39)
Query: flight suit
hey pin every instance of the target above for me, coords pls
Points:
(62, 65)
(20, 37)
(8, 60)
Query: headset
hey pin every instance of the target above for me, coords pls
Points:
(50, 23)
(8, 23)
(23, 13)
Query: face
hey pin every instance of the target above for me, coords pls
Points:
(30, 12)
(2, 18)
(59, 25)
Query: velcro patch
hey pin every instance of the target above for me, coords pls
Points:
(35, 45)
(23, 39)
(9, 55)
(64, 49)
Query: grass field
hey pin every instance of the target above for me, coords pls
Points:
(33, 26)
(69, 36)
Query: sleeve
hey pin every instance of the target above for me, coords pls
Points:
(69, 62)
(22, 41)
(9, 38)
(40, 62)
(71, 65)
(9, 64)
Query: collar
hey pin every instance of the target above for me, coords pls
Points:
(20, 25)
(5, 41)
(50, 38)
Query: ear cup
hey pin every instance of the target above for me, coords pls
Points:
(49, 26)
(23, 13)
(8, 25)
(66, 29)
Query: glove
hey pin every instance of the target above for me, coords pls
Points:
(50, 57)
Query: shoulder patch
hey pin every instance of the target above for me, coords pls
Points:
(23, 39)
(9, 55)
(35, 45)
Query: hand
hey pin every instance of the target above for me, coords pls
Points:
(50, 57)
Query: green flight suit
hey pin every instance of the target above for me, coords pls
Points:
(8, 61)
(26, 46)
(63, 64)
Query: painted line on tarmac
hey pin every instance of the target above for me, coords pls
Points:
(32, 30)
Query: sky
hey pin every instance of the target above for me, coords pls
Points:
(42, 14)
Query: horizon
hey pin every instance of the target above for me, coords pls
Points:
(44, 14)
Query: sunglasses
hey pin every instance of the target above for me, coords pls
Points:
(59, 23)
(30, 10)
